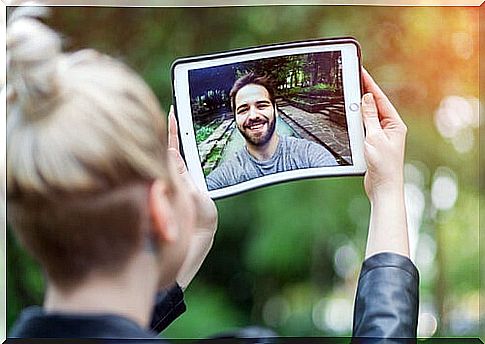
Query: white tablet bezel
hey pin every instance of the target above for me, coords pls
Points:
(351, 65)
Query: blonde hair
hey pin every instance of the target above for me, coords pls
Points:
(80, 127)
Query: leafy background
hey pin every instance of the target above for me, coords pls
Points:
(288, 256)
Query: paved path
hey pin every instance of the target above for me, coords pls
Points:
(216, 140)
(320, 128)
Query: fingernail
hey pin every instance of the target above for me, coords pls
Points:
(368, 98)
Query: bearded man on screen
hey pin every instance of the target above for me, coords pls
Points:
(265, 151)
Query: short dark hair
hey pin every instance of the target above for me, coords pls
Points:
(252, 78)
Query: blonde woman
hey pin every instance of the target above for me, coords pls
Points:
(91, 192)
(100, 198)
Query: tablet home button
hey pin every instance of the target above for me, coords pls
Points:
(354, 107)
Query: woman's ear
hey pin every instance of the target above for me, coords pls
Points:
(165, 227)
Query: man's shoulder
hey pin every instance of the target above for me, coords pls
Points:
(294, 139)
(233, 163)
(227, 172)
(297, 143)
(313, 153)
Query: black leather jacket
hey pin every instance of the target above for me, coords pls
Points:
(386, 302)
(386, 309)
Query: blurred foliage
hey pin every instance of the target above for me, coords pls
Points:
(215, 155)
(317, 87)
(202, 132)
(277, 258)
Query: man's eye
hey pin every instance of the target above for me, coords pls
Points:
(242, 110)
(262, 106)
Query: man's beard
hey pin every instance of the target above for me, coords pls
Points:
(259, 140)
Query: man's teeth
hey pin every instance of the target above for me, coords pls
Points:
(256, 126)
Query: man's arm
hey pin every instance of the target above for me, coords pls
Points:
(216, 180)
(386, 304)
(231, 171)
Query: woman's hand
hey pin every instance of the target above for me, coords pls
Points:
(384, 141)
(384, 182)
(205, 210)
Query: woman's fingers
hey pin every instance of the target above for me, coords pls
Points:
(370, 115)
(173, 139)
(384, 106)
(173, 143)
(177, 159)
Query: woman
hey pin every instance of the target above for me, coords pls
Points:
(113, 219)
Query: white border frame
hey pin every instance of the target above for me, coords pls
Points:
(352, 95)
(181, 3)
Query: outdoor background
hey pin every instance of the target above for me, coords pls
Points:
(288, 256)
(308, 94)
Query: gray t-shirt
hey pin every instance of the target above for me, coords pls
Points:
(291, 153)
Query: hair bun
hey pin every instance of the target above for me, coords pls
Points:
(32, 53)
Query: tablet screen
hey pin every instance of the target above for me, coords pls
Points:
(268, 116)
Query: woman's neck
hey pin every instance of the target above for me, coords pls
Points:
(130, 294)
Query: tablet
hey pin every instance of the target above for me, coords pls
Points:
(269, 114)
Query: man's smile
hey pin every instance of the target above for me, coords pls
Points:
(259, 125)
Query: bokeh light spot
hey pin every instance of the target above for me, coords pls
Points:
(455, 120)
(276, 311)
(346, 261)
(338, 315)
(444, 190)
(427, 325)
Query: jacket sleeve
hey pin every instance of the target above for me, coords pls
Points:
(386, 303)
(169, 305)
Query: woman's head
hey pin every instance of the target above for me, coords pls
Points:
(85, 142)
